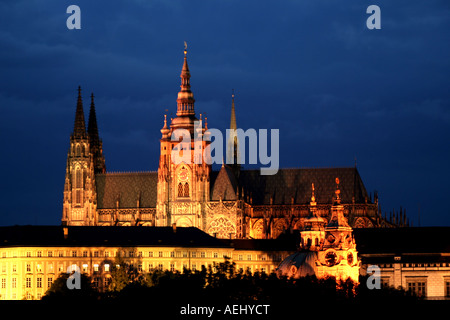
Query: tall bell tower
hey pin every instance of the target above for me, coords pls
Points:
(183, 185)
(79, 203)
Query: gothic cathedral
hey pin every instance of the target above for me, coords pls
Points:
(233, 202)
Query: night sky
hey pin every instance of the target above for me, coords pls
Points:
(312, 69)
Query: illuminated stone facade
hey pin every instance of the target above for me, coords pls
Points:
(233, 202)
(32, 257)
(416, 259)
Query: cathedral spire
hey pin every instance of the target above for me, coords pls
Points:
(233, 156)
(233, 124)
(94, 139)
(185, 101)
(92, 124)
(79, 129)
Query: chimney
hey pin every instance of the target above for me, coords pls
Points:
(174, 227)
(66, 232)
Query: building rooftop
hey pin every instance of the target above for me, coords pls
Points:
(91, 236)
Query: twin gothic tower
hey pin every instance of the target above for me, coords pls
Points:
(84, 160)
(233, 202)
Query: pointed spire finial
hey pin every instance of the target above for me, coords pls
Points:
(165, 130)
(313, 197)
(92, 124)
(337, 192)
(79, 130)
(185, 101)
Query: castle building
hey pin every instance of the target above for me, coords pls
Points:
(33, 257)
(233, 202)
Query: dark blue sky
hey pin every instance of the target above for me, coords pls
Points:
(312, 69)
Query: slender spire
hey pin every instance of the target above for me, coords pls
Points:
(79, 129)
(92, 124)
(233, 124)
(94, 139)
(185, 101)
(337, 192)
(233, 141)
(313, 197)
(165, 130)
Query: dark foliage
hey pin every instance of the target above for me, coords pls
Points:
(221, 285)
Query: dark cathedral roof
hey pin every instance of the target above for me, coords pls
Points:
(296, 183)
(287, 183)
(127, 188)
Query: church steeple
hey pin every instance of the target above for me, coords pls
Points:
(92, 124)
(94, 139)
(233, 113)
(79, 129)
(233, 156)
(79, 202)
(185, 101)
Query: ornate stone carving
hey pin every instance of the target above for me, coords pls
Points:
(222, 228)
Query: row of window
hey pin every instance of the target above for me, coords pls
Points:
(261, 257)
(39, 280)
(96, 267)
(129, 254)
(28, 282)
(418, 287)
(416, 265)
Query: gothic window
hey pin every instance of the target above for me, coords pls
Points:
(83, 150)
(78, 178)
(78, 184)
(180, 189)
(78, 150)
(222, 228)
(186, 189)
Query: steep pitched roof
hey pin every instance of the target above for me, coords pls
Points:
(296, 183)
(224, 185)
(127, 188)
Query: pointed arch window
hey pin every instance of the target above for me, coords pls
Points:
(183, 190)
(186, 189)
(78, 184)
(180, 189)
(78, 179)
